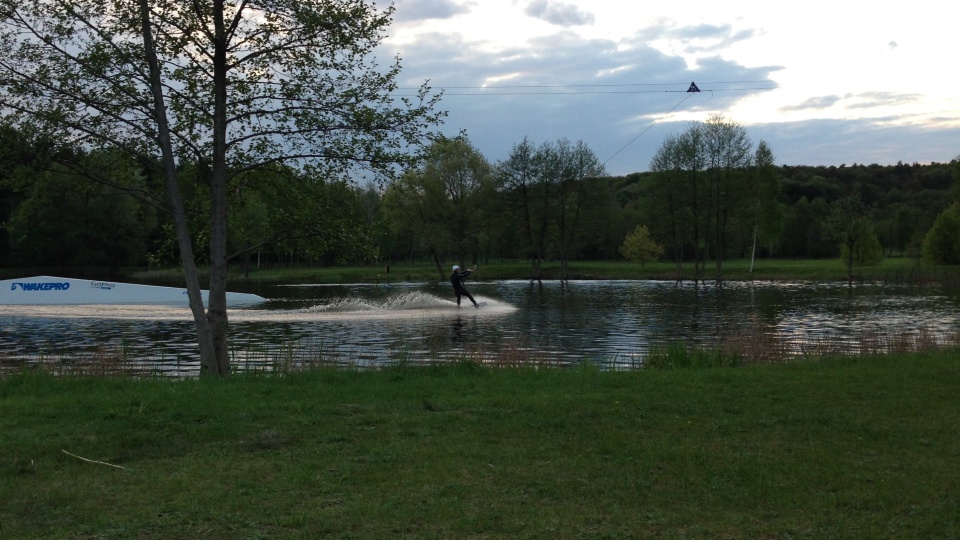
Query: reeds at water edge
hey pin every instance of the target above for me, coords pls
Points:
(748, 345)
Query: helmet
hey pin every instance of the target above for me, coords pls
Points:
(455, 268)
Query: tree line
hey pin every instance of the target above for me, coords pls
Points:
(710, 195)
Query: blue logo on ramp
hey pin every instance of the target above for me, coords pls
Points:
(30, 287)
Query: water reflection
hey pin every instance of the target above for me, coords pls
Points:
(553, 322)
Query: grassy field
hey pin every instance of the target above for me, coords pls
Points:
(830, 448)
(897, 270)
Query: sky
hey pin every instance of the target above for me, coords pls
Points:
(823, 83)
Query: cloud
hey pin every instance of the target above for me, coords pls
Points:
(701, 31)
(868, 100)
(694, 35)
(419, 10)
(814, 103)
(864, 100)
(558, 13)
(837, 142)
(719, 42)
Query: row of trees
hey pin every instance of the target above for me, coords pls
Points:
(104, 210)
(546, 201)
(534, 205)
(711, 186)
(711, 195)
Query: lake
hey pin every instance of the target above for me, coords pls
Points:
(613, 323)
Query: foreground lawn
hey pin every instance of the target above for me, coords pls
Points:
(833, 448)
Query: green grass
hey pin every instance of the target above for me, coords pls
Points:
(830, 448)
(896, 270)
(678, 355)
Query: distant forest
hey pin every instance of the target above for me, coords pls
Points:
(902, 201)
(65, 210)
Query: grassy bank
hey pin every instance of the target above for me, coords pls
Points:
(895, 270)
(839, 448)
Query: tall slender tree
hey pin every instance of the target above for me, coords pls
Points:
(681, 188)
(766, 211)
(522, 173)
(729, 156)
(549, 186)
(576, 164)
(668, 204)
(691, 160)
(859, 245)
(713, 162)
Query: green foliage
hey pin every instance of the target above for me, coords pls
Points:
(69, 221)
(290, 216)
(314, 57)
(707, 190)
(808, 230)
(942, 243)
(640, 247)
(442, 206)
(338, 110)
(548, 197)
(603, 223)
(860, 246)
(898, 226)
(674, 199)
(769, 213)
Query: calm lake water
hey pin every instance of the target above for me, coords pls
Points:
(609, 322)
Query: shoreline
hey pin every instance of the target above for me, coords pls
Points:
(891, 270)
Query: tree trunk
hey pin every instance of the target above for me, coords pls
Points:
(850, 247)
(679, 259)
(699, 264)
(436, 260)
(217, 308)
(171, 179)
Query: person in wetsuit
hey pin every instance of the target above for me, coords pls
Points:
(456, 278)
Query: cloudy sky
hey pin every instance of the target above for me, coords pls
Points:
(824, 83)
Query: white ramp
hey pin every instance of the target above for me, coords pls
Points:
(47, 290)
